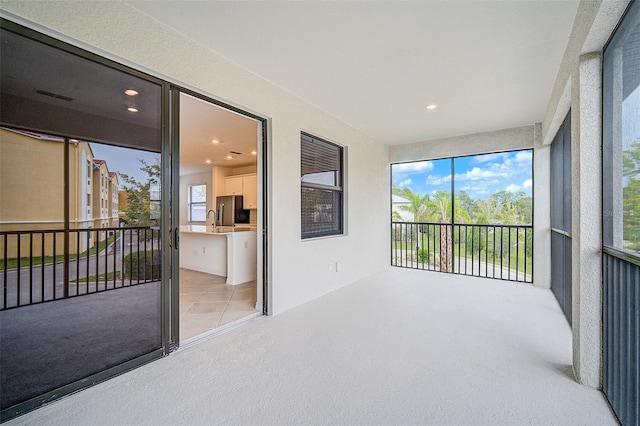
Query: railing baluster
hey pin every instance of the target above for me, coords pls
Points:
(86, 260)
(486, 251)
(19, 267)
(5, 284)
(97, 261)
(30, 268)
(77, 261)
(420, 242)
(106, 258)
(517, 252)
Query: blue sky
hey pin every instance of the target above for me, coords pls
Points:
(124, 160)
(480, 175)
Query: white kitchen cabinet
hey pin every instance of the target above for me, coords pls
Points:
(250, 192)
(245, 185)
(233, 185)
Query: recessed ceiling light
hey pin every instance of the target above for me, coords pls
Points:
(431, 107)
(208, 161)
(132, 109)
(253, 152)
(130, 92)
(215, 141)
(229, 157)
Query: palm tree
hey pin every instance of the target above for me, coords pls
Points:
(417, 203)
(440, 208)
(417, 206)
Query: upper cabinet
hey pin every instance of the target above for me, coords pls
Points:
(233, 185)
(250, 192)
(247, 186)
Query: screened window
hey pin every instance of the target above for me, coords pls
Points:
(621, 143)
(197, 203)
(322, 188)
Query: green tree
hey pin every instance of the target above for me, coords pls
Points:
(466, 207)
(138, 209)
(631, 196)
(417, 203)
(440, 211)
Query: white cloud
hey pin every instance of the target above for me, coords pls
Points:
(527, 183)
(513, 188)
(418, 166)
(477, 173)
(404, 183)
(485, 158)
(524, 156)
(437, 180)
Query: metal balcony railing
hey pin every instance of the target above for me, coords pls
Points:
(43, 265)
(493, 251)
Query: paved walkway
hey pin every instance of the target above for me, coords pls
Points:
(400, 347)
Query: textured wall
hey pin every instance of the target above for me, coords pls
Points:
(298, 270)
(586, 180)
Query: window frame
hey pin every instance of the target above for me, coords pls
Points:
(339, 189)
(191, 203)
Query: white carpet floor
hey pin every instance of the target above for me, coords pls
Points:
(401, 347)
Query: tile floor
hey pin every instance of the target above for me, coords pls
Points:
(206, 302)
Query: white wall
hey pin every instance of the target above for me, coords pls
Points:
(299, 270)
(194, 179)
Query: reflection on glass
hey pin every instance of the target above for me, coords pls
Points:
(79, 235)
(621, 136)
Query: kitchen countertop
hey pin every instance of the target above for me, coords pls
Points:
(218, 230)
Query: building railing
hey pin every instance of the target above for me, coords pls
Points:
(502, 252)
(43, 265)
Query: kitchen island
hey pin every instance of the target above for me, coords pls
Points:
(220, 250)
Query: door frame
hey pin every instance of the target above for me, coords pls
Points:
(174, 166)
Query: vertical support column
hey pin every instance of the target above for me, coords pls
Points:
(586, 179)
(541, 211)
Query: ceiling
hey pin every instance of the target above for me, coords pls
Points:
(201, 123)
(377, 65)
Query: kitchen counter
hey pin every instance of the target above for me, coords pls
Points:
(221, 250)
(208, 229)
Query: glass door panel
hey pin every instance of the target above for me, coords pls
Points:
(82, 297)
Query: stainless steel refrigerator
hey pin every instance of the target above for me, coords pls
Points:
(229, 211)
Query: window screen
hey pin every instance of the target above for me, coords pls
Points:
(322, 192)
(621, 136)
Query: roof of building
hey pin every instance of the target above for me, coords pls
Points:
(398, 199)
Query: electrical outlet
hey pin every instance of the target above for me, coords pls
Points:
(330, 266)
(204, 250)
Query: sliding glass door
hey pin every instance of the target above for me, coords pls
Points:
(83, 219)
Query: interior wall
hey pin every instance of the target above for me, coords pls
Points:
(457, 146)
(299, 271)
(194, 179)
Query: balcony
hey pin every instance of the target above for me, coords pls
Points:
(400, 347)
(36, 266)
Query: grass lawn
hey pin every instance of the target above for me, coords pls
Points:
(39, 260)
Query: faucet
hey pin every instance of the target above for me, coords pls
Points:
(214, 216)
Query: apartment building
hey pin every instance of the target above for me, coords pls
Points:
(32, 190)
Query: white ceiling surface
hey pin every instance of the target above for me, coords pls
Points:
(200, 123)
(376, 65)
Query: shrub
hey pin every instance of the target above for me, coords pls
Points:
(139, 267)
